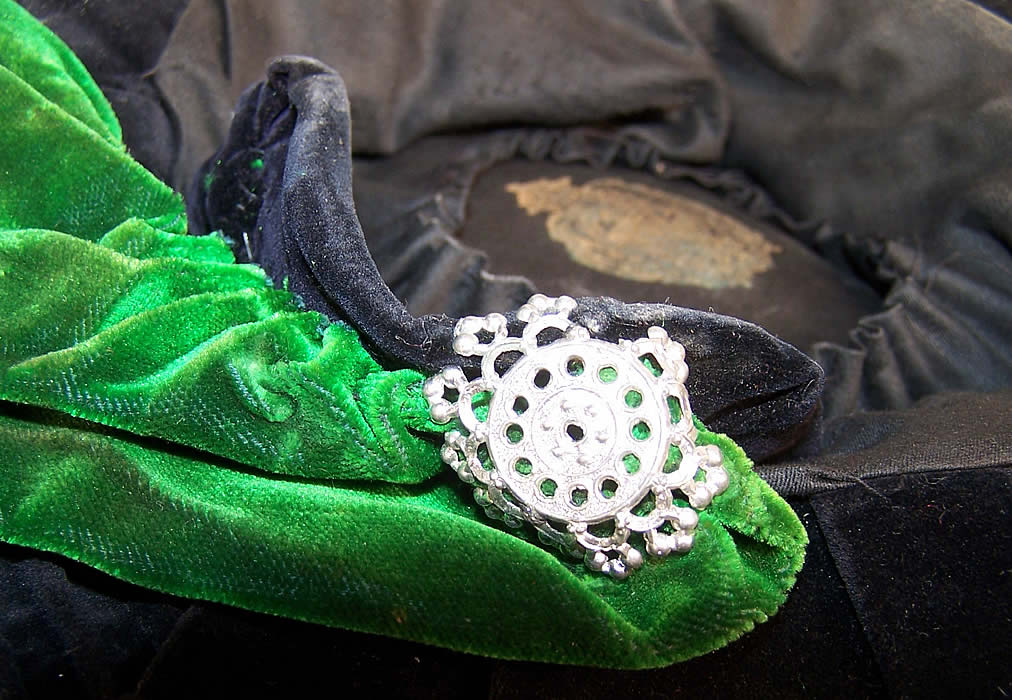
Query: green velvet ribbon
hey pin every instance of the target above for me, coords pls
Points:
(172, 418)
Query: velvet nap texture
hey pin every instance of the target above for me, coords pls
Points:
(174, 419)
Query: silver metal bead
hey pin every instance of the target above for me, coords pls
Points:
(441, 412)
(454, 377)
(596, 560)
(634, 559)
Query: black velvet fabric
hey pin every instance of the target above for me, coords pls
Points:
(945, 605)
(69, 631)
(768, 662)
(877, 134)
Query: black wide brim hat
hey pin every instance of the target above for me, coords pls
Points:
(858, 157)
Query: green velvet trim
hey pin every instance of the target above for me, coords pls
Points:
(64, 165)
(174, 420)
(415, 562)
(203, 353)
(33, 53)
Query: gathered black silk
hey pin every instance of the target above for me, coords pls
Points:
(878, 135)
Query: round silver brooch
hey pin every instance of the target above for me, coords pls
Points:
(588, 441)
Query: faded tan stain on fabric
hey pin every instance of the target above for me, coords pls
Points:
(644, 234)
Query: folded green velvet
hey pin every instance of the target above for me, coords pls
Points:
(175, 420)
(206, 354)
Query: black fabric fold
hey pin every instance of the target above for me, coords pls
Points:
(121, 49)
(952, 428)
(930, 585)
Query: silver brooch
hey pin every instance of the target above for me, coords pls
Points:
(589, 441)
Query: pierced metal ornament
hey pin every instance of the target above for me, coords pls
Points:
(589, 441)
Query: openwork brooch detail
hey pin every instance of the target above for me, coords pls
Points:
(589, 441)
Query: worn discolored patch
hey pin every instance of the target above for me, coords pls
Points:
(645, 234)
